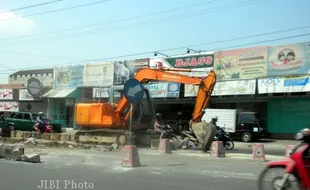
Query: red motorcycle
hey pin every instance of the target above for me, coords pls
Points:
(294, 171)
(47, 128)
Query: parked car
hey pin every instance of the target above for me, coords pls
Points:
(24, 121)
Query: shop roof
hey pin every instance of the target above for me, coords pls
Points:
(34, 71)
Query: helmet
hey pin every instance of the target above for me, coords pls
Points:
(302, 134)
(214, 118)
(40, 113)
(158, 116)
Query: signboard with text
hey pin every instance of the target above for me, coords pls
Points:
(289, 59)
(199, 64)
(249, 63)
(283, 84)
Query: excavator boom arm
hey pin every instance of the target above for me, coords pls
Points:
(206, 86)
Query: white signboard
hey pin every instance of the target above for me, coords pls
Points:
(283, 84)
(103, 93)
(98, 74)
(225, 88)
(100, 92)
(9, 106)
(24, 95)
(158, 90)
(6, 94)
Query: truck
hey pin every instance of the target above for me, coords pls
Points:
(241, 124)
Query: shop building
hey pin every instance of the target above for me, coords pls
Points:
(26, 101)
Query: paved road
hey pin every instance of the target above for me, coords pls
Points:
(103, 170)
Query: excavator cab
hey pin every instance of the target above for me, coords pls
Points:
(144, 114)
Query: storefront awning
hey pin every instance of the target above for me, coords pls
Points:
(58, 93)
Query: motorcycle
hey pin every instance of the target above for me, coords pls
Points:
(225, 138)
(168, 132)
(47, 128)
(295, 171)
(191, 141)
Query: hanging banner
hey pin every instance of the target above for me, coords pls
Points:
(283, 84)
(200, 64)
(68, 76)
(123, 70)
(289, 59)
(100, 75)
(249, 63)
(225, 88)
(24, 95)
(6, 94)
(9, 106)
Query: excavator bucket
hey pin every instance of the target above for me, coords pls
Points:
(205, 133)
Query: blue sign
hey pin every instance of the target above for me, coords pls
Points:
(173, 89)
(296, 82)
(133, 91)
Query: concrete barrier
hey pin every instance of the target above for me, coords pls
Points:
(217, 149)
(259, 152)
(46, 136)
(154, 143)
(11, 152)
(19, 134)
(26, 134)
(55, 136)
(13, 134)
(130, 156)
(36, 135)
(164, 146)
(65, 137)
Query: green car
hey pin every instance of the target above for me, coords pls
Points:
(24, 121)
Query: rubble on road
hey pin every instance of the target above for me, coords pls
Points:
(33, 158)
(16, 153)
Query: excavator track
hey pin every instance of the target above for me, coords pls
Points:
(110, 136)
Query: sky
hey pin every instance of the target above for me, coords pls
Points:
(40, 37)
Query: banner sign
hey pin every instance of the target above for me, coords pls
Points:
(283, 84)
(163, 90)
(9, 106)
(249, 63)
(127, 69)
(174, 90)
(225, 88)
(6, 94)
(289, 59)
(24, 95)
(68, 76)
(98, 74)
(199, 64)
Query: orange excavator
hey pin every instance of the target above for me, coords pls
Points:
(102, 122)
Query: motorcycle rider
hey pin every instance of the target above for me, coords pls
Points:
(39, 122)
(158, 126)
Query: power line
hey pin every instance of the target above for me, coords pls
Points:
(208, 43)
(163, 50)
(35, 5)
(139, 24)
(40, 55)
(114, 21)
(58, 10)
